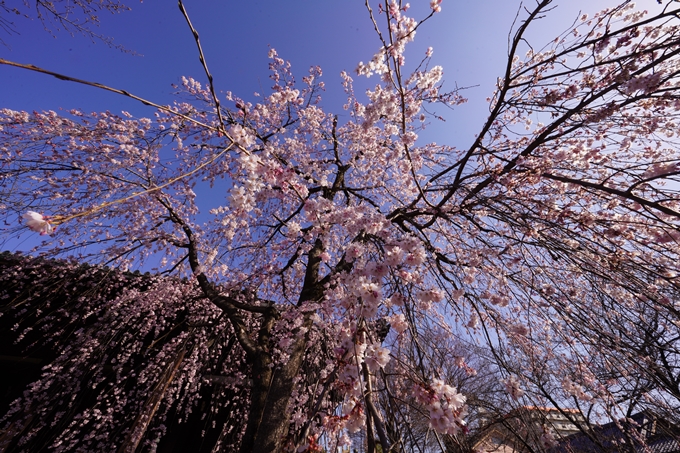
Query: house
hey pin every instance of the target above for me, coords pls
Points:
(531, 429)
(528, 429)
(643, 432)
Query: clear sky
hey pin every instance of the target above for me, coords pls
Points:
(469, 38)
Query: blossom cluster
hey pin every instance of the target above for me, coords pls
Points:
(512, 387)
(446, 406)
(38, 223)
(403, 30)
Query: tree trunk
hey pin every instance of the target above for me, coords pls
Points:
(262, 376)
(269, 419)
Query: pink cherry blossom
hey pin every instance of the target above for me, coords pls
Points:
(354, 265)
(38, 223)
(512, 387)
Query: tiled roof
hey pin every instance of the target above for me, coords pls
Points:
(611, 438)
(665, 446)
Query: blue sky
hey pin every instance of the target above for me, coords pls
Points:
(469, 39)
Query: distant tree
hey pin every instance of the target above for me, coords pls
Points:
(465, 366)
(564, 208)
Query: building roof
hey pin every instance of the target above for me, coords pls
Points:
(650, 434)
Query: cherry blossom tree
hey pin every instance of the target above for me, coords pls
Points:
(562, 213)
(102, 332)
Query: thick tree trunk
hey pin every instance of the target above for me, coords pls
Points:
(262, 376)
(269, 419)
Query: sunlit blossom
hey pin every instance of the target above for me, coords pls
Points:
(38, 223)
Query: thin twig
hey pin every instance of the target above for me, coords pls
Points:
(201, 57)
(166, 109)
(58, 220)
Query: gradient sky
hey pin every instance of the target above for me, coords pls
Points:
(469, 38)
